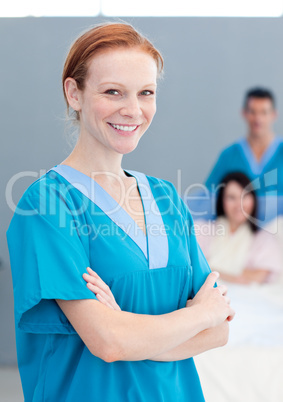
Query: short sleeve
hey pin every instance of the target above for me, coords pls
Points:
(48, 259)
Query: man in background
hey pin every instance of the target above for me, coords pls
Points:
(259, 155)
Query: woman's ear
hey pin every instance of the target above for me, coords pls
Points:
(72, 93)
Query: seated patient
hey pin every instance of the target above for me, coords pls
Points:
(233, 244)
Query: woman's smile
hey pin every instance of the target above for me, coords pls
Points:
(124, 129)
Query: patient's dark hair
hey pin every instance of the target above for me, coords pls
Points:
(259, 93)
(244, 182)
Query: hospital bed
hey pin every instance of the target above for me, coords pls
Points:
(250, 367)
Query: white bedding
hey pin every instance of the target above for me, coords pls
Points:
(259, 315)
(242, 374)
(250, 367)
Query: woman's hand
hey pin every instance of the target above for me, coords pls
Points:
(213, 301)
(100, 289)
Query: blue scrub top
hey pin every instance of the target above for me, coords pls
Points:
(66, 222)
(266, 176)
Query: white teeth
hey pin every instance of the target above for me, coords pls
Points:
(124, 128)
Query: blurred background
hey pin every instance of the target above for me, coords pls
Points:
(213, 53)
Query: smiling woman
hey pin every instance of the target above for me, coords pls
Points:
(127, 329)
(114, 108)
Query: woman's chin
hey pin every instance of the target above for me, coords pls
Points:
(126, 147)
(240, 222)
(237, 221)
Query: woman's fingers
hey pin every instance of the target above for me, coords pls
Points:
(211, 279)
(97, 281)
(103, 297)
(92, 272)
(102, 300)
(101, 289)
(222, 289)
(214, 297)
(94, 275)
(97, 290)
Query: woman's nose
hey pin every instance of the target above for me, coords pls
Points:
(131, 107)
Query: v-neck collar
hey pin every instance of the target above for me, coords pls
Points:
(153, 245)
(258, 166)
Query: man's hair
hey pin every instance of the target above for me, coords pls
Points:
(259, 93)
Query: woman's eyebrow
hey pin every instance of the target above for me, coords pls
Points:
(121, 85)
(111, 83)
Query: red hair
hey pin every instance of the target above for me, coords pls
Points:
(104, 36)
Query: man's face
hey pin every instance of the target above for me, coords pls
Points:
(259, 115)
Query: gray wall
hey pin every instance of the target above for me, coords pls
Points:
(209, 63)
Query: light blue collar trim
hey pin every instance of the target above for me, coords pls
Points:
(258, 166)
(154, 245)
(158, 249)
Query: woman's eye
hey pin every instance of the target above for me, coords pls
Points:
(112, 92)
(147, 92)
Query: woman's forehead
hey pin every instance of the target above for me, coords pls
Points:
(122, 63)
(233, 186)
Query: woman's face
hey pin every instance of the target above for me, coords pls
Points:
(237, 203)
(118, 102)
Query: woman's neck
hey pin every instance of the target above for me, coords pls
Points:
(234, 226)
(90, 157)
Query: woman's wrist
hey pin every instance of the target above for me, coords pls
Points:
(202, 319)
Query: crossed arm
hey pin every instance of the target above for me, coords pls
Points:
(112, 334)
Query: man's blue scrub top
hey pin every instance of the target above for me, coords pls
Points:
(266, 176)
(65, 222)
